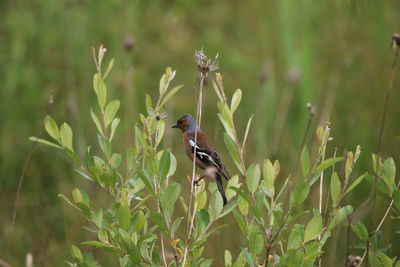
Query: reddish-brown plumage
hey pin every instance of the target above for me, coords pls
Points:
(198, 147)
(202, 140)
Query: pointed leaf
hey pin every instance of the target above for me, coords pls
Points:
(327, 163)
(51, 127)
(42, 141)
(305, 162)
(170, 94)
(314, 227)
(355, 183)
(253, 177)
(335, 188)
(111, 110)
(237, 96)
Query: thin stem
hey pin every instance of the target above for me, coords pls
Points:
(365, 255)
(381, 130)
(348, 238)
(303, 143)
(192, 213)
(387, 98)
(21, 181)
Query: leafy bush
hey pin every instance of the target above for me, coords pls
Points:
(139, 225)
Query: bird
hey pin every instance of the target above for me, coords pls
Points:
(207, 157)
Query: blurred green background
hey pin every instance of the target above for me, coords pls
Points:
(281, 53)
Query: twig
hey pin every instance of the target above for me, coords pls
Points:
(311, 112)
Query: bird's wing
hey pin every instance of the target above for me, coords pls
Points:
(208, 157)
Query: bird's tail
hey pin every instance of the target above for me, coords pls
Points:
(221, 188)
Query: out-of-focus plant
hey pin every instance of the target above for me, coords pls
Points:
(272, 224)
(270, 213)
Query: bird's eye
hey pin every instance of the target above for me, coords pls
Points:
(178, 122)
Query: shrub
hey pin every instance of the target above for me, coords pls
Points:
(278, 230)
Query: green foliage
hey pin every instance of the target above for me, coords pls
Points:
(139, 223)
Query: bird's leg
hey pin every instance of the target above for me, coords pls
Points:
(196, 182)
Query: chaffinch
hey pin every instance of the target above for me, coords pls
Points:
(206, 156)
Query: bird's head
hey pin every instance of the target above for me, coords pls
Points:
(186, 123)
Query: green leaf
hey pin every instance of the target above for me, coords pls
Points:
(249, 258)
(105, 146)
(216, 205)
(256, 243)
(314, 227)
(160, 131)
(335, 188)
(170, 94)
(228, 258)
(76, 254)
(388, 173)
(114, 126)
(42, 141)
(140, 220)
(305, 162)
(233, 182)
(229, 207)
(173, 165)
(355, 183)
(300, 192)
(159, 220)
(241, 222)
(360, 230)
(296, 237)
(96, 244)
(253, 177)
(270, 172)
(51, 127)
(206, 263)
(111, 110)
(97, 122)
(84, 175)
(327, 163)
(115, 160)
(240, 260)
(340, 216)
(228, 128)
(66, 136)
(102, 235)
(145, 176)
(232, 149)
(164, 166)
(97, 218)
(385, 260)
(246, 133)
(168, 198)
(349, 165)
(124, 217)
(67, 200)
(100, 90)
(237, 96)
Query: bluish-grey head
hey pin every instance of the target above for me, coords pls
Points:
(186, 123)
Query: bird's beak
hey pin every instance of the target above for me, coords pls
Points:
(175, 126)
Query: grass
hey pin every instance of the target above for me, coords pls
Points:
(341, 50)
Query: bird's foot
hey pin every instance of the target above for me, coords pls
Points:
(196, 182)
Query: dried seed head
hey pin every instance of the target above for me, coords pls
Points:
(161, 116)
(204, 64)
(353, 261)
(395, 40)
(311, 109)
(294, 76)
(129, 43)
